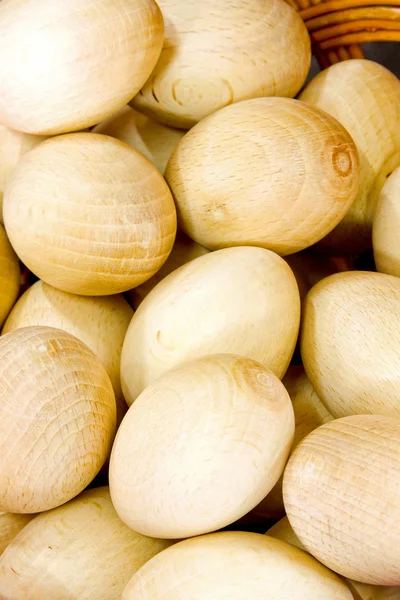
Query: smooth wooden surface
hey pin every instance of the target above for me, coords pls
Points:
(238, 300)
(154, 140)
(341, 490)
(57, 418)
(350, 343)
(10, 526)
(68, 65)
(386, 227)
(365, 98)
(217, 52)
(269, 172)
(201, 447)
(100, 323)
(78, 551)
(89, 215)
(10, 277)
(234, 565)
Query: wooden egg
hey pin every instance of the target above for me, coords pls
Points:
(10, 526)
(341, 489)
(57, 418)
(100, 323)
(89, 215)
(184, 251)
(154, 140)
(200, 447)
(80, 550)
(238, 300)
(235, 565)
(350, 343)
(365, 98)
(10, 277)
(82, 60)
(217, 52)
(386, 227)
(274, 172)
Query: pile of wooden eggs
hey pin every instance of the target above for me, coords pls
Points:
(181, 218)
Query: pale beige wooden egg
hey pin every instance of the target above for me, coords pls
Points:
(10, 525)
(184, 251)
(81, 550)
(386, 228)
(10, 277)
(282, 530)
(89, 215)
(99, 322)
(201, 447)
(238, 300)
(341, 489)
(365, 98)
(68, 65)
(217, 52)
(235, 565)
(269, 172)
(350, 343)
(57, 418)
(154, 140)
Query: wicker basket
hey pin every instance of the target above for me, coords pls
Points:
(339, 27)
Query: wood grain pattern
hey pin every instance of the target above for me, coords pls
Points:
(57, 418)
(350, 343)
(68, 65)
(10, 277)
(89, 215)
(386, 227)
(217, 52)
(99, 322)
(274, 172)
(365, 98)
(341, 490)
(201, 447)
(236, 565)
(78, 551)
(239, 300)
(10, 525)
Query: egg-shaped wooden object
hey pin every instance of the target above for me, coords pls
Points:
(10, 277)
(217, 52)
(99, 322)
(341, 489)
(236, 565)
(89, 215)
(154, 140)
(200, 447)
(82, 60)
(238, 300)
(386, 227)
(183, 251)
(269, 172)
(10, 525)
(80, 550)
(57, 418)
(365, 98)
(350, 343)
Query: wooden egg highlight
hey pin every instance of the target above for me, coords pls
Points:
(341, 489)
(217, 52)
(238, 300)
(79, 550)
(350, 343)
(200, 447)
(365, 98)
(154, 140)
(10, 526)
(274, 172)
(99, 322)
(89, 215)
(235, 565)
(10, 277)
(82, 60)
(57, 418)
(386, 227)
